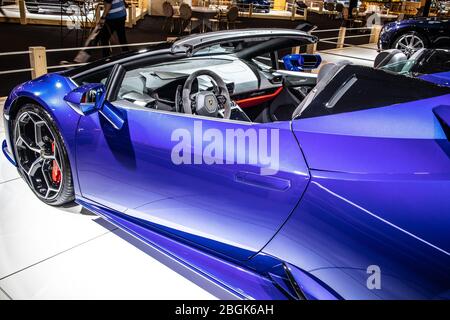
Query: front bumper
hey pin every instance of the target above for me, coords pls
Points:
(7, 153)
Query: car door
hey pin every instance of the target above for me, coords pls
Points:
(230, 204)
(231, 208)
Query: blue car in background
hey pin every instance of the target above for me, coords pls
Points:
(414, 34)
(271, 183)
(262, 6)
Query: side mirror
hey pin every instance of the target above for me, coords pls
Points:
(301, 62)
(90, 98)
(87, 99)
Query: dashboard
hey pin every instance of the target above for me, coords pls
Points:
(158, 83)
(256, 90)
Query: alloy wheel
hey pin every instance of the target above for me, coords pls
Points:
(409, 43)
(38, 155)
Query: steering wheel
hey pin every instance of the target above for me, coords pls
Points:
(206, 103)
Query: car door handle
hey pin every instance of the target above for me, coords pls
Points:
(263, 181)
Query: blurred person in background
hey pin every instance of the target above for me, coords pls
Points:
(113, 20)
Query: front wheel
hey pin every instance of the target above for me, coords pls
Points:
(41, 156)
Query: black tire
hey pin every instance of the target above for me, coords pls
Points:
(65, 193)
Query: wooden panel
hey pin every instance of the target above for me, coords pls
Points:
(38, 61)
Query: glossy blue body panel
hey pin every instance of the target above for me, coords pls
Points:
(379, 195)
(443, 114)
(229, 208)
(400, 139)
(353, 190)
(335, 236)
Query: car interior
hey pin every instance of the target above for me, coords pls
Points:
(259, 88)
(217, 82)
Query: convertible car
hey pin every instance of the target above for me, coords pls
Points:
(271, 183)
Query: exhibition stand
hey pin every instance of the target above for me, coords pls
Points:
(82, 13)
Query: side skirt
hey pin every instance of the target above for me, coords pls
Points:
(238, 281)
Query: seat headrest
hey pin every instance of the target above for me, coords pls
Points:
(327, 71)
(326, 74)
(324, 69)
(417, 54)
(388, 57)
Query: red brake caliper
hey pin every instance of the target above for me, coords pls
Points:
(56, 172)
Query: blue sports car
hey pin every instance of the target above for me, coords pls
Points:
(274, 184)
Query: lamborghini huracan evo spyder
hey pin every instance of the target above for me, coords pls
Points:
(355, 205)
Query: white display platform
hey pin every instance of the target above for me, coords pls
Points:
(362, 55)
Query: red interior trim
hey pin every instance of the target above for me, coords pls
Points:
(253, 101)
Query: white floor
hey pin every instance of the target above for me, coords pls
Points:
(49, 253)
(363, 55)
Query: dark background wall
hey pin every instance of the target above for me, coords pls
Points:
(16, 37)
